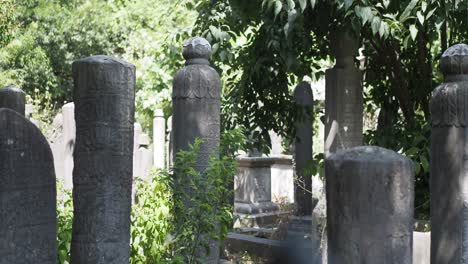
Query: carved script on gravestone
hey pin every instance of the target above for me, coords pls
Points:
(28, 219)
(102, 177)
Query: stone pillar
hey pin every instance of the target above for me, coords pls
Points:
(137, 132)
(370, 203)
(449, 164)
(196, 109)
(28, 218)
(69, 137)
(104, 95)
(159, 139)
(170, 142)
(303, 149)
(13, 98)
(343, 97)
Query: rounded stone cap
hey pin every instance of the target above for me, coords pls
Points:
(103, 59)
(13, 89)
(368, 154)
(454, 61)
(196, 48)
(303, 94)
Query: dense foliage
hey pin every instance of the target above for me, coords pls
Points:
(39, 39)
(264, 48)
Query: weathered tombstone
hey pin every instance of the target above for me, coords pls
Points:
(137, 132)
(13, 98)
(63, 143)
(449, 165)
(303, 149)
(143, 158)
(370, 196)
(343, 97)
(170, 142)
(196, 100)
(104, 94)
(159, 139)
(69, 138)
(28, 218)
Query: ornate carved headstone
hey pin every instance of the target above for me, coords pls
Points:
(370, 196)
(104, 95)
(303, 149)
(159, 139)
(196, 109)
(14, 98)
(28, 218)
(449, 164)
(343, 97)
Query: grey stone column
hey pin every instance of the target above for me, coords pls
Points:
(14, 98)
(370, 203)
(28, 218)
(196, 109)
(449, 160)
(159, 139)
(104, 95)
(303, 149)
(343, 97)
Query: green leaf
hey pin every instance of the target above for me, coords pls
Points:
(215, 48)
(424, 163)
(278, 7)
(303, 4)
(348, 4)
(365, 13)
(424, 6)
(386, 3)
(375, 25)
(408, 10)
(430, 13)
(291, 4)
(417, 168)
(420, 17)
(383, 30)
(413, 31)
(312, 3)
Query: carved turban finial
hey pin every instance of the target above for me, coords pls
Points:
(454, 61)
(196, 50)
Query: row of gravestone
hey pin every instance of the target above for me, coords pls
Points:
(104, 98)
(370, 190)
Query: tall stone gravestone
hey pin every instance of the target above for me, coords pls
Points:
(343, 97)
(104, 96)
(196, 109)
(13, 98)
(28, 219)
(370, 196)
(449, 164)
(303, 149)
(159, 139)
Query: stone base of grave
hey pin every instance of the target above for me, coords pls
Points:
(261, 185)
(255, 208)
(259, 220)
